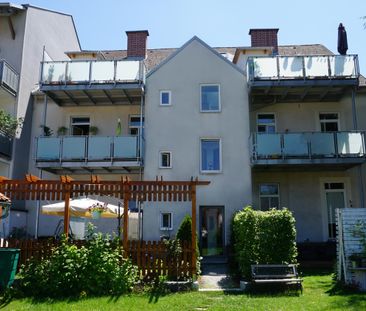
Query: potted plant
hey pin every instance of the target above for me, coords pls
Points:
(62, 130)
(93, 130)
(97, 209)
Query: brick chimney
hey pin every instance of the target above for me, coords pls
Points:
(136, 43)
(264, 37)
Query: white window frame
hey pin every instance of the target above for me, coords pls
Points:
(134, 126)
(161, 221)
(257, 124)
(269, 196)
(160, 159)
(161, 98)
(329, 112)
(219, 88)
(220, 156)
(72, 117)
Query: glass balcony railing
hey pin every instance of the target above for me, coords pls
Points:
(308, 145)
(88, 149)
(6, 146)
(9, 78)
(302, 67)
(92, 72)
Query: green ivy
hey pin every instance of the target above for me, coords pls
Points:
(98, 268)
(263, 238)
(8, 124)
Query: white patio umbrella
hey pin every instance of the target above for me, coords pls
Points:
(79, 208)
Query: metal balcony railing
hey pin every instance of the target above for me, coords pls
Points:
(307, 145)
(9, 78)
(88, 149)
(92, 72)
(302, 67)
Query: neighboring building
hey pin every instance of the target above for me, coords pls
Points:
(267, 125)
(25, 31)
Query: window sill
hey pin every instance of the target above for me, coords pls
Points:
(211, 172)
(166, 229)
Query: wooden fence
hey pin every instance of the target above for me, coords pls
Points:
(151, 257)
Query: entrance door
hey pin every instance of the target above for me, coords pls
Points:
(212, 230)
(335, 198)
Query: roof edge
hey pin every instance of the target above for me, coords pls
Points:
(194, 38)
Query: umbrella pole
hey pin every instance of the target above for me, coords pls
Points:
(119, 220)
(67, 214)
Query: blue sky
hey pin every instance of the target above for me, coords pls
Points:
(102, 24)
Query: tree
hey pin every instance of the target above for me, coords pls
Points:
(9, 124)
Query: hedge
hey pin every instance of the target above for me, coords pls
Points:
(263, 237)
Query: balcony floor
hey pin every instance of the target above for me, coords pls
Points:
(330, 164)
(264, 92)
(94, 94)
(64, 168)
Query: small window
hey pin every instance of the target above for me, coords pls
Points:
(210, 98)
(269, 196)
(266, 123)
(210, 155)
(80, 126)
(165, 98)
(166, 221)
(165, 159)
(135, 124)
(329, 122)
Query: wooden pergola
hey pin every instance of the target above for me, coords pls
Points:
(33, 188)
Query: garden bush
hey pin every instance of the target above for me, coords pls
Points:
(184, 233)
(98, 268)
(263, 237)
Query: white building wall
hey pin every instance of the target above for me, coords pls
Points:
(179, 128)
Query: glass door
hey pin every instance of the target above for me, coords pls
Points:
(212, 230)
(335, 198)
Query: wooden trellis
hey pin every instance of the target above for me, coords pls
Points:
(33, 188)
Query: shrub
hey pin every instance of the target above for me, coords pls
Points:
(263, 238)
(97, 268)
(184, 233)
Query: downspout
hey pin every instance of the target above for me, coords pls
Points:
(355, 127)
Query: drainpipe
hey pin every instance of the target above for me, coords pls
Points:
(355, 127)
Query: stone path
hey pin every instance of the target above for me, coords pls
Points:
(214, 277)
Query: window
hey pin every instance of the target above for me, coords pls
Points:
(166, 221)
(80, 125)
(210, 155)
(269, 196)
(210, 98)
(266, 123)
(329, 122)
(135, 124)
(165, 159)
(165, 98)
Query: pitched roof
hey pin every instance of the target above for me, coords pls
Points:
(156, 56)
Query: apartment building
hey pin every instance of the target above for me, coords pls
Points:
(267, 125)
(25, 31)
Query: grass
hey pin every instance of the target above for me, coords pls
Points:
(319, 294)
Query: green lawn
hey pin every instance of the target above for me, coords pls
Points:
(318, 295)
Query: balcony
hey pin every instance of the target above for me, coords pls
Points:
(339, 149)
(93, 82)
(89, 154)
(6, 146)
(9, 79)
(301, 78)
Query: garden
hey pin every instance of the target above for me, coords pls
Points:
(98, 275)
